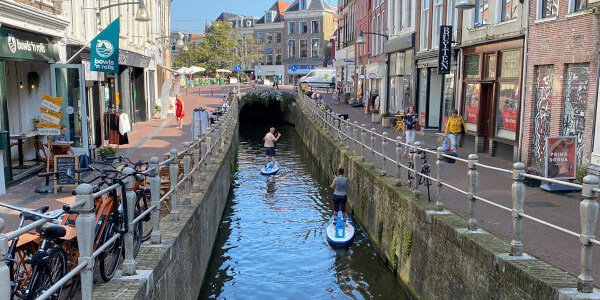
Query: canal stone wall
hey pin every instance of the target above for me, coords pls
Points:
(432, 253)
(176, 268)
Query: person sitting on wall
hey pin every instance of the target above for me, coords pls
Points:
(62, 138)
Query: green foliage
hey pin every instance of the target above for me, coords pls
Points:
(267, 96)
(326, 108)
(406, 243)
(375, 111)
(157, 108)
(215, 51)
(385, 115)
(582, 171)
(107, 150)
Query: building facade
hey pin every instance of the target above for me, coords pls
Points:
(375, 70)
(344, 45)
(309, 26)
(269, 32)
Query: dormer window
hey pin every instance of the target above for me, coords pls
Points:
(248, 23)
(303, 4)
(269, 16)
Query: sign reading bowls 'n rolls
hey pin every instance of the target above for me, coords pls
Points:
(561, 158)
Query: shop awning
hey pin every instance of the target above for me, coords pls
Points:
(399, 43)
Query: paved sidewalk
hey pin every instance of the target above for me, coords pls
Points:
(147, 139)
(561, 209)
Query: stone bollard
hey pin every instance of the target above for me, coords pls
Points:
(398, 158)
(588, 209)
(383, 146)
(355, 140)
(187, 199)
(196, 164)
(439, 206)
(155, 195)
(372, 146)
(173, 176)
(86, 221)
(129, 262)
(416, 167)
(518, 201)
(363, 137)
(5, 287)
(473, 181)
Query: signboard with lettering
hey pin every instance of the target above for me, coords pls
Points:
(561, 161)
(104, 49)
(509, 119)
(23, 45)
(50, 115)
(445, 50)
(68, 164)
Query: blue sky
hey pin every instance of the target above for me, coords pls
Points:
(191, 15)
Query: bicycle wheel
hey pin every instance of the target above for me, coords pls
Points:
(426, 181)
(111, 257)
(410, 175)
(45, 276)
(138, 229)
(143, 203)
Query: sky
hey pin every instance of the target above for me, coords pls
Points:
(190, 16)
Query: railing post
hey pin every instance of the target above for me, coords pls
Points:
(336, 124)
(439, 206)
(206, 148)
(4, 271)
(372, 145)
(363, 137)
(347, 127)
(155, 195)
(383, 146)
(588, 209)
(518, 200)
(473, 180)
(355, 140)
(398, 158)
(174, 177)
(187, 199)
(129, 262)
(196, 164)
(85, 238)
(416, 167)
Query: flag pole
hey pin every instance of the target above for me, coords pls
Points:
(82, 48)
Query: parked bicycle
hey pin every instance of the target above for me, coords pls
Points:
(335, 97)
(342, 135)
(425, 170)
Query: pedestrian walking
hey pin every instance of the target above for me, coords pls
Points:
(276, 82)
(455, 127)
(410, 127)
(179, 114)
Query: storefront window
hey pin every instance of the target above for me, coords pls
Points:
(471, 103)
(472, 66)
(277, 56)
(303, 48)
(399, 85)
(422, 96)
(393, 63)
(400, 63)
(408, 62)
(576, 95)
(509, 64)
(490, 66)
(506, 117)
(448, 96)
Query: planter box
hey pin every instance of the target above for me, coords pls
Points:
(388, 122)
(375, 118)
(532, 182)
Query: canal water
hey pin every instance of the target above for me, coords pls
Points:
(271, 242)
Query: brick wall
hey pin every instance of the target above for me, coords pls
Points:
(566, 40)
(45, 6)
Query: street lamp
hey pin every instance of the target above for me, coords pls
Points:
(141, 14)
(465, 4)
(361, 40)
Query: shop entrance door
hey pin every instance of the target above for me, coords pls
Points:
(68, 82)
(486, 113)
(7, 170)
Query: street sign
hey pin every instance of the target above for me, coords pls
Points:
(294, 68)
(259, 71)
(238, 68)
(445, 52)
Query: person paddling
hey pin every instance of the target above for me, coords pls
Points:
(270, 140)
(340, 197)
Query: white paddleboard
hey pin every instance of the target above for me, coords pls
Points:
(270, 169)
(342, 235)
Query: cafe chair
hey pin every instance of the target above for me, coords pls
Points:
(165, 186)
(40, 151)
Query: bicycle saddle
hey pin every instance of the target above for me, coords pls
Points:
(41, 210)
(53, 231)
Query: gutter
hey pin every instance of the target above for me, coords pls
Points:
(523, 88)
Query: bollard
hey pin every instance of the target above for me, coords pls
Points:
(86, 221)
(196, 164)
(155, 195)
(129, 262)
(588, 209)
(355, 140)
(372, 146)
(173, 176)
(518, 200)
(383, 146)
(439, 206)
(416, 167)
(187, 199)
(5, 287)
(363, 137)
(398, 158)
(473, 180)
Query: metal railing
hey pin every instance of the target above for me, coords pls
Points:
(355, 137)
(205, 149)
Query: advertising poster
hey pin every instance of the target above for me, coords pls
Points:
(472, 113)
(561, 161)
(509, 119)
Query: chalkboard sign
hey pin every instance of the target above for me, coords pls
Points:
(65, 163)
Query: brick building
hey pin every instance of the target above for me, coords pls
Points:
(309, 26)
(345, 51)
(561, 80)
(269, 31)
(376, 69)
(362, 51)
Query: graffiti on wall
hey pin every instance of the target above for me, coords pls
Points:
(544, 76)
(576, 92)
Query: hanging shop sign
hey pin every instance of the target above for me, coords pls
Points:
(445, 50)
(50, 115)
(127, 58)
(561, 160)
(27, 46)
(104, 52)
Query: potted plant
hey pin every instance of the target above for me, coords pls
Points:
(326, 108)
(387, 120)
(530, 182)
(449, 152)
(106, 151)
(157, 109)
(35, 121)
(375, 116)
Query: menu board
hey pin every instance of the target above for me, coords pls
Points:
(68, 164)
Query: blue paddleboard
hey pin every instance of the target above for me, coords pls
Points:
(270, 170)
(338, 232)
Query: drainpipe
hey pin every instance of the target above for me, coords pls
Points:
(523, 81)
(594, 169)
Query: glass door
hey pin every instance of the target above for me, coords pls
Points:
(68, 82)
(4, 126)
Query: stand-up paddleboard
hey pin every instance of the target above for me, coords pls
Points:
(338, 233)
(270, 169)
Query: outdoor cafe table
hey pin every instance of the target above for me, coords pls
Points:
(20, 138)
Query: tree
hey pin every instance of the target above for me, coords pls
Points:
(249, 52)
(215, 51)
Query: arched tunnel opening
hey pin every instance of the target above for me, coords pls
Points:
(257, 114)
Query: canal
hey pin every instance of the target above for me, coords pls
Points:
(271, 242)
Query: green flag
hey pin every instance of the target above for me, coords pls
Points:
(104, 52)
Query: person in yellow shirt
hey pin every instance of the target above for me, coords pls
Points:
(454, 128)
